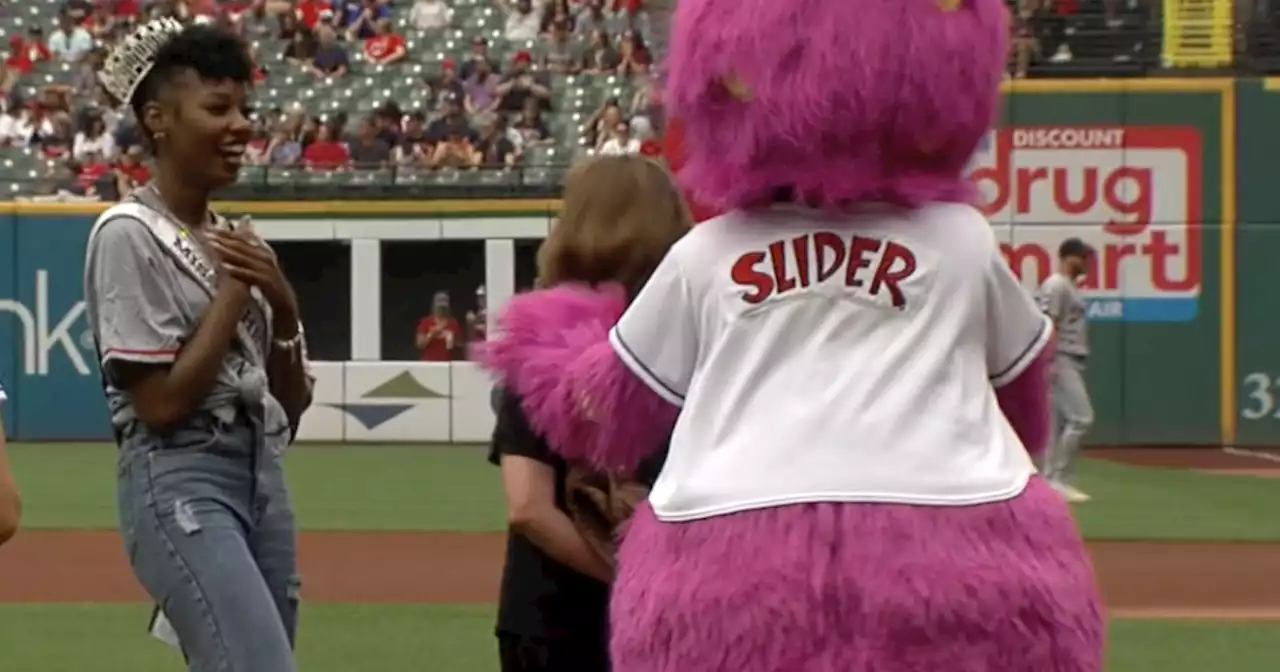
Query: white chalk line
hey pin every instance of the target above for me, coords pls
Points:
(1257, 455)
(1196, 614)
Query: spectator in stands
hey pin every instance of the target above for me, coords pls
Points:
(452, 121)
(78, 10)
(521, 85)
(363, 18)
(385, 46)
(301, 50)
(415, 130)
(325, 152)
(479, 52)
(430, 15)
(131, 172)
(601, 123)
(561, 54)
(457, 150)
(367, 150)
(413, 149)
(69, 43)
(289, 26)
(101, 22)
(57, 144)
(8, 79)
(633, 56)
(438, 333)
(533, 130)
(482, 89)
(522, 21)
(1025, 44)
(94, 139)
(311, 13)
(24, 53)
(255, 24)
(282, 150)
(445, 87)
(642, 108)
(85, 82)
(601, 57)
(494, 149)
(555, 12)
(390, 119)
(93, 170)
(330, 59)
(591, 19)
(255, 151)
(622, 141)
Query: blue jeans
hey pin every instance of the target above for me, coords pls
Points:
(209, 532)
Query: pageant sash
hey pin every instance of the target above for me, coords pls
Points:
(190, 258)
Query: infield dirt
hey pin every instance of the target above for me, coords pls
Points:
(1139, 579)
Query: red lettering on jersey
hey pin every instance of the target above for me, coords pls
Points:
(888, 276)
(744, 273)
(818, 257)
(858, 249)
(778, 255)
(800, 245)
(825, 242)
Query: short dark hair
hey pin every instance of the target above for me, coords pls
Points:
(1074, 247)
(211, 52)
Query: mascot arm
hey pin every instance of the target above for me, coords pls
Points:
(1020, 348)
(552, 349)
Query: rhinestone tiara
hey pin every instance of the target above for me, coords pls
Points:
(133, 58)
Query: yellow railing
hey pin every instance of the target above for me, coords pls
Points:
(1198, 33)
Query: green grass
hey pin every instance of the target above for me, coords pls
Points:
(1144, 503)
(379, 487)
(353, 487)
(332, 638)
(111, 638)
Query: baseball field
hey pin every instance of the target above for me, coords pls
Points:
(401, 550)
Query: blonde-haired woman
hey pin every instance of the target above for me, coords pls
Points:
(620, 216)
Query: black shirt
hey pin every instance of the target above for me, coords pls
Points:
(541, 597)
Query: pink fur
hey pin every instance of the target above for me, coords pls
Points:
(552, 349)
(1025, 402)
(1003, 587)
(850, 101)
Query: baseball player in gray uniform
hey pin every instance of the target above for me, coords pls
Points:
(1072, 410)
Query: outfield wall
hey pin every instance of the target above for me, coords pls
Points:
(1171, 180)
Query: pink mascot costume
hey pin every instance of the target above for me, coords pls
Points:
(851, 378)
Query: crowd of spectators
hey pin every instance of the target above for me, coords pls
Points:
(471, 110)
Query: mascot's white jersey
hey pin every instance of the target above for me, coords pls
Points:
(822, 358)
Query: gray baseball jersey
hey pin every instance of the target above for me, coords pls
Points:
(1061, 301)
(142, 308)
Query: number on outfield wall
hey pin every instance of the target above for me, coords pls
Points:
(1261, 391)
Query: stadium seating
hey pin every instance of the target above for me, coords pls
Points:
(1053, 38)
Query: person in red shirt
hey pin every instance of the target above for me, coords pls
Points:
(438, 333)
(24, 53)
(131, 172)
(385, 46)
(309, 12)
(325, 153)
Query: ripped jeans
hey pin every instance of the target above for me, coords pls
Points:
(209, 532)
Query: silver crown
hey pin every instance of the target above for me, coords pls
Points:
(132, 59)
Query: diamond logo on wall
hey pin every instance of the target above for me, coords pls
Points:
(389, 400)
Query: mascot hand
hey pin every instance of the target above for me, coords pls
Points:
(552, 350)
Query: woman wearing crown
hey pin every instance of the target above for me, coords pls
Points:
(203, 362)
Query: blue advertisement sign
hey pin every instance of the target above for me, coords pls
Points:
(47, 360)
